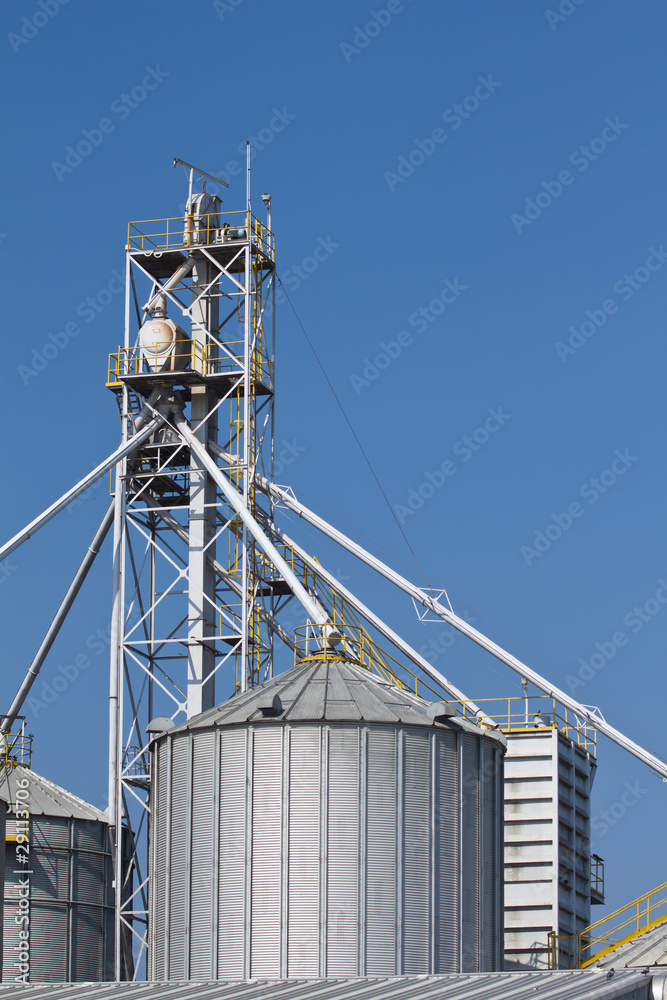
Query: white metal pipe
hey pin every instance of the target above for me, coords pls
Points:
(311, 605)
(159, 298)
(81, 487)
(383, 628)
(58, 619)
(434, 606)
(115, 701)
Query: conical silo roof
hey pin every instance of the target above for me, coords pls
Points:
(44, 797)
(328, 691)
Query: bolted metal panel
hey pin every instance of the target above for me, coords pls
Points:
(87, 943)
(446, 853)
(266, 873)
(342, 867)
(233, 824)
(303, 853)
(204, 803)
(48, 952)
(416, 889)
(159, 833)
(178, 860)
(470, 854)
(381, 851)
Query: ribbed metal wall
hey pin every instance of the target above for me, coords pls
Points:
(325, 850)
(3, 834)
(71, 902)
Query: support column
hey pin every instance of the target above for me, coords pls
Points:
(202, 520)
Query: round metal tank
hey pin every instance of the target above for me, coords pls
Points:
(64, 886)
(3, 832)
(325, 825)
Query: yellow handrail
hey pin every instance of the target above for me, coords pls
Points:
(578, 947)
(148, 235)
(521, 715)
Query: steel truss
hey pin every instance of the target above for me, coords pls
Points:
(195, 600)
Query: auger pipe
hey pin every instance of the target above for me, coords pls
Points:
(159, 299)
(233, 584)
(383, 628)
(58, 619)
(434, 606)
(310, 604)
(81, 487)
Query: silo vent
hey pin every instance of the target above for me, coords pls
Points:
(161, 724)
(439, 711)
(270, 707)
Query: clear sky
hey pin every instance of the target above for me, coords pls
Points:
(485, 184)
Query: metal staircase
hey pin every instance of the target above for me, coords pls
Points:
(615, 939)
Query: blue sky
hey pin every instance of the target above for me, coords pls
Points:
(487, 179)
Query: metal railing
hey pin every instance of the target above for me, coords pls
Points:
(597, 875)
(212, 229)
(340, 641)
(526, 715)
(186, 356)
(329, 642)
(577, 951)
(15, 748)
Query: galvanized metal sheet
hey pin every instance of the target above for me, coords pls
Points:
(44, 796)
(579, 985)
(321, 849)
(329, 690)
(69, 885)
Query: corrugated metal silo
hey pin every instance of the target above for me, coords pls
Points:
(3, 828)
(325, 825)
(69, 882)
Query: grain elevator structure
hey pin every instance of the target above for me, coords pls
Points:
(285, 803)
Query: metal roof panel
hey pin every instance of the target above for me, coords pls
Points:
(576, 985)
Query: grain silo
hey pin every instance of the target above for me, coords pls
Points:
(65, 889)
(3, 827)
(325, 824)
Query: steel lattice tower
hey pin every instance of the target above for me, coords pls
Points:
(193, 597)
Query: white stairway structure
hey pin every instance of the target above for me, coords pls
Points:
(549, 772)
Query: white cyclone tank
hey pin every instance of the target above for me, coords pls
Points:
(163, 345)
(325, 824)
